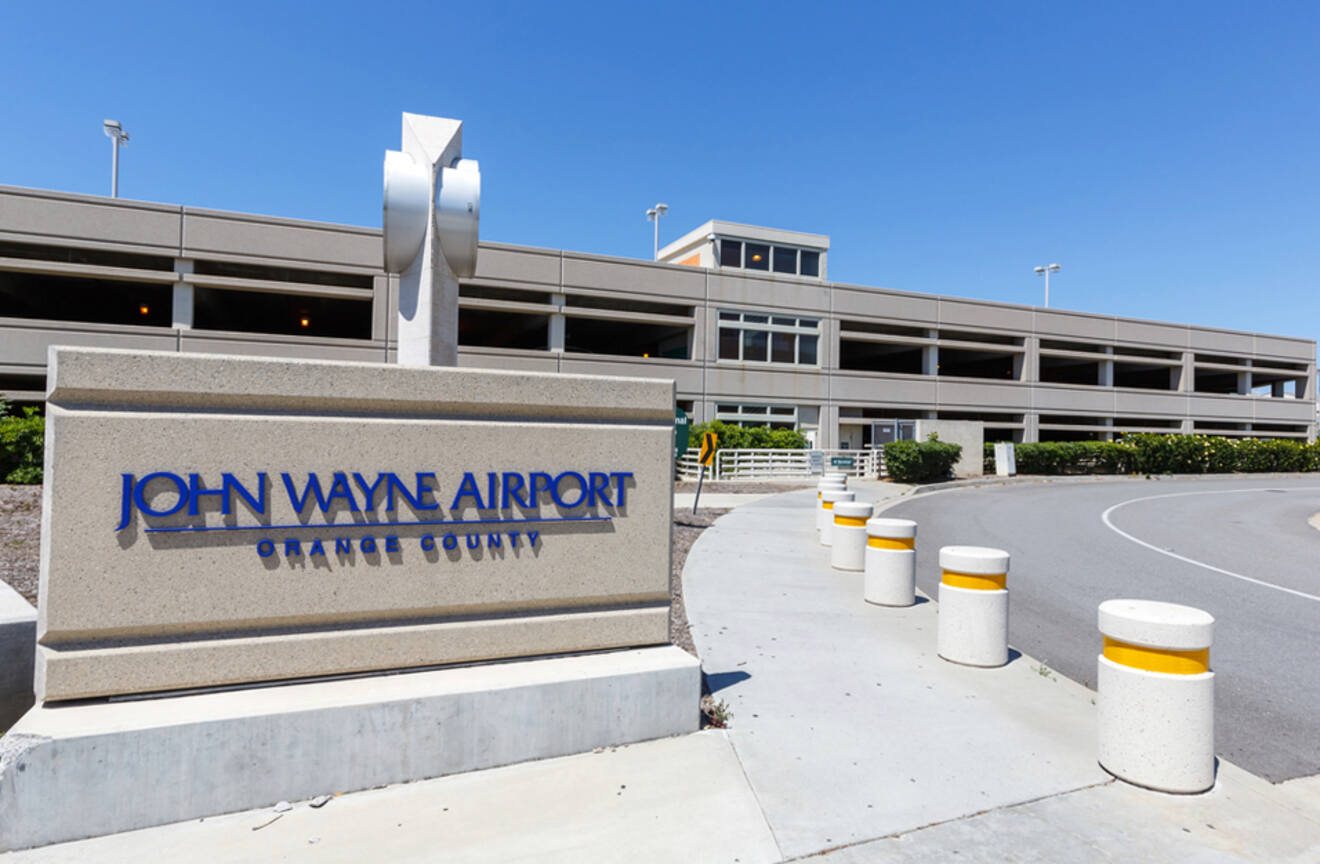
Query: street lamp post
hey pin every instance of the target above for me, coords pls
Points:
(1046, 271)
(118, 138)
(653, 215)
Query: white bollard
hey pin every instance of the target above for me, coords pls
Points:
(1155, 695)
(835, 476)
(848, 535)
(891, 562)
(973, 619)
(828, 499)
(823, 515)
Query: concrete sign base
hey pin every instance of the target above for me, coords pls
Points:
(89, 769)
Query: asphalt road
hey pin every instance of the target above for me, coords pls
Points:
(1248, 556)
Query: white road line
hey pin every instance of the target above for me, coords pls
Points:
(1104, 517)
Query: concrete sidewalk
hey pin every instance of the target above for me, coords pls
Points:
(850, 741)
(861, 743)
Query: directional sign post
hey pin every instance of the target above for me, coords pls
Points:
(709, 442)
(682, 428)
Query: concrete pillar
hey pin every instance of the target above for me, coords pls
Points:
(1155, 695)
(1187, 384)
(1031, 371)
(557, 324)
(1108, 434)
(891, 562)
(1276, 389)
(182, 304)
(973, 597)
(930, 355)
(1106, 370)
(848, 535)
(1244, 383)
(1186, 427)
(382, 310)
(1031, 432)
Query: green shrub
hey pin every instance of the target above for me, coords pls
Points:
(22, 443)
(733, 437)
(920, 462)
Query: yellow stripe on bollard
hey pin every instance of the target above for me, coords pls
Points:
(828, 505)
(1157, 659)
(892, 542)
(850, 521)
(976, 581)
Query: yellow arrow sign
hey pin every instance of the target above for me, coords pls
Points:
(709, 440)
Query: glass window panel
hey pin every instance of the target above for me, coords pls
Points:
(756, 319)
(781, 347)
(783, 409)
(785, 260)
(755, 344)
(754, 409)
(812, 323)
(807, 350)
(728, 344)
(784, 322)
(730, 316)
(758, 257)
(730, 253)
(810, 263)
(726, 409)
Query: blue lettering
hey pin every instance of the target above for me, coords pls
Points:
(513, 484)
(139, 494)
(491, 480)
(416, 502)
(343, 546)
(620, 476)
(450, 542)
(228, 486)
(391, 543)
(474, 541)
(340, 489)
(493, 541)
(540, 483)
(600, 485)
(582, 489)
(313, 487)
(369, 490)
(467, 489)
(126, 499)
(368, 545)
(265, 548)
(513, 538)
(292, 547)
(531, 537)
(317, 548)
(428, 542)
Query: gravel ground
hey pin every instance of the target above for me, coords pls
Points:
(20, 538)
(20, 548)
(745, 487)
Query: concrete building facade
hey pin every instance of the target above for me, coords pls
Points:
(748, 340)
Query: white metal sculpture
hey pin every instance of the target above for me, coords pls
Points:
(431, 213)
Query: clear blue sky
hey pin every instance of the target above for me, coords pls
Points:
(1166, 154)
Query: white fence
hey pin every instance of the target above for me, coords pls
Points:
(771, 464)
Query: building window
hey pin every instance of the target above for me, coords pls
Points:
(730, 253)
(742, 255)
(785, 259)
(758, 257)
(749, 337)
(774, 416)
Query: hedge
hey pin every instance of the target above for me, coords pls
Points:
(22, 442)
(733, 437)
(920, 461)
(1150, 453)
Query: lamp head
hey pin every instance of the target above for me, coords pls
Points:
(651, 214)
(662, 209)
(1039, 270)
(1054, 268)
